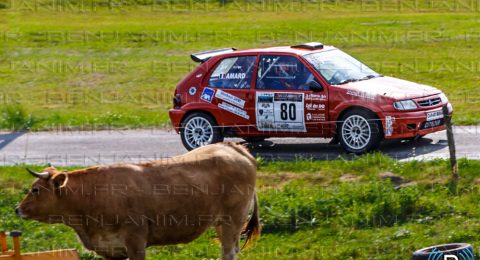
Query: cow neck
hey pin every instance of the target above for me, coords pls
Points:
(77, 194)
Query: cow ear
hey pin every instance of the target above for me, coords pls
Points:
(59, 180)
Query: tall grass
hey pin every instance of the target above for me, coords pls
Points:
(313, 213)
(16, 118)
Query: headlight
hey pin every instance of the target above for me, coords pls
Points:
(444, 98)
(405, 105)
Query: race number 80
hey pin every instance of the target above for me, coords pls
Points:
(288, 112)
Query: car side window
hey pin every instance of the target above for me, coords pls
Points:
(281, 72)
(234, 72)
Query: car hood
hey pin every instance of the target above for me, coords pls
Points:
(393, 87)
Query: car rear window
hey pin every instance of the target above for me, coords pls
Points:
(233, 72)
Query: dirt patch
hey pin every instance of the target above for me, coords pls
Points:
(476, 181)
(394, 179)
(278, 180)
(349, 178)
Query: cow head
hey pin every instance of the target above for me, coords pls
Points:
(42, 198)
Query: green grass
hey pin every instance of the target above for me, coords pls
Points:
(308, 211)
(99, 64)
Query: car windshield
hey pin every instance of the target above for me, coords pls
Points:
(337, 67)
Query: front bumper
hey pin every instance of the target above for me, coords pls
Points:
(176, 116)
(406, 124)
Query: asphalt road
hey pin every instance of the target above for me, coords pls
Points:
(104, 147)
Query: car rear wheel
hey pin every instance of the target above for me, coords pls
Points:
(199, 129)
(359, 131)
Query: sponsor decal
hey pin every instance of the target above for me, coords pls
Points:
(192, 91)
(266, 106)
(264, 98)
(433, 123)
(233, 76)
(280, 112)
(234, 110)
(288, 97)
(311, 106)
(389, 120)
(207, 95)
(225, 96)
(316, 97)
(315, 117)
(360, 94)
(265, 115)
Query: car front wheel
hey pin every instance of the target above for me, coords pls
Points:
(199, 129)
(360, 131)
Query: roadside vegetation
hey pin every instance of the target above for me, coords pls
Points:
(372, 207)
(99, 64)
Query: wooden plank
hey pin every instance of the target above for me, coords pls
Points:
(451, 143)
(3, 241)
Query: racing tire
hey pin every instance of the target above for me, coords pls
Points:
(460, 250)
(199, 129)
(360, 131)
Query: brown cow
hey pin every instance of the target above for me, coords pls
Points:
(119, 210)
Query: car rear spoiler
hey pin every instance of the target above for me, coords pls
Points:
(204, 56)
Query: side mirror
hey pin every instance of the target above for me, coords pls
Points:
(315, 86)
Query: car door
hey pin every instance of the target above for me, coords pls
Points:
(284, 101)
(230, 83)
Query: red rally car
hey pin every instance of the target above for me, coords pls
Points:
(306, 90)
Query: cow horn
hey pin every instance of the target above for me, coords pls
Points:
(41, 175)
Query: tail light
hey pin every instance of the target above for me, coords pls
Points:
(177, 101)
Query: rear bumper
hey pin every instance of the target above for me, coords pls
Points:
(176, 116)
(411, 124)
